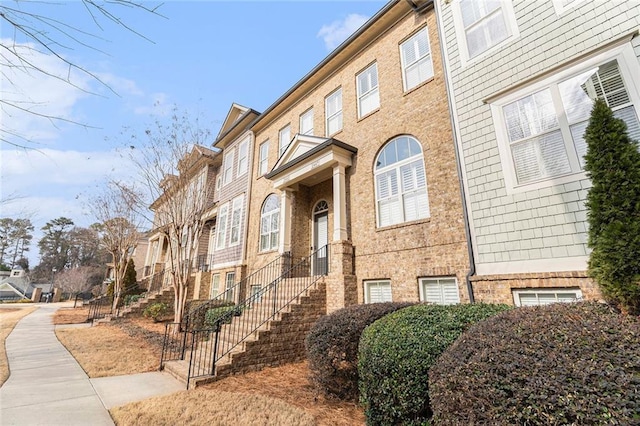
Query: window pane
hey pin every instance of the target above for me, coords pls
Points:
(369, 102)
(387, 184)
(530, 116)
(540, 157)
(416, 205)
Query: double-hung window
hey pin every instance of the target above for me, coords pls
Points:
(441, 291)
(401, 182)
(483, 24)
(368, 93)
(415, 55)
(230, 286)
(284, 138)
(215, 286)
(236, 215)
(333, 112)
(306, 122)
(541, 129)
(270, 223)
(377, 291)
(243, 153)
(535, 297)
(221, 227)
(263, 162)
(227, 173)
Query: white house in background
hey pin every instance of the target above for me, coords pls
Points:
(522, 76)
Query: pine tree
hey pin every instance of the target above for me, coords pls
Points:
(613, 203)
(129, 282)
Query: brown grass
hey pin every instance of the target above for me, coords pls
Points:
(278, 396)
(70, 315)
(107, 350)
(204, 407)
(9, 317)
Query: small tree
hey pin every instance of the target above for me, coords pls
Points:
(613, 164)
(130, 281)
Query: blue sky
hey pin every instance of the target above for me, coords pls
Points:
(202, 56)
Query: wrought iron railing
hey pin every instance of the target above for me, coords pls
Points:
(267, 297)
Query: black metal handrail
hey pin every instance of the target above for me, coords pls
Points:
(266, 274)
(210, 345)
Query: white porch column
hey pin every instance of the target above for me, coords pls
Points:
(286, 199)
(339, 203)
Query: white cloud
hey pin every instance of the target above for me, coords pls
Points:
(338, 31)
(122, 86)
(36, 84)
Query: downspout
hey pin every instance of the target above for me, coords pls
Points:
(465, 213)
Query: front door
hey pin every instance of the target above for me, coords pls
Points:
(320, 238)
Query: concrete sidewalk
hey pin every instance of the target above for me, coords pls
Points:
(48, 387)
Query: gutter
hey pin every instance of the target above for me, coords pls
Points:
(465, 212)
(421, 8)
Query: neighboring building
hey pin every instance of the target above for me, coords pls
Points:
(359, 155)
(223, 241)
(522, 76)
(198, 171)
(15, 285)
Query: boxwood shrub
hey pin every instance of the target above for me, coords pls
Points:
(397, 351)
(332, 347)
(575, 363)
(196, 312)
(221, 315)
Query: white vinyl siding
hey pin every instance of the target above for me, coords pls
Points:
(215, 286)
(236, 214)
(401, 183)
(306, 123)
(415, 55)
(441, 291)
(333, 112)
(377, 291)
(543, 131)
(243, 153)
(270, 223)
(536, 297)
(368, 94)
(227, 174)
(284, 138)
(263, 163)
(221, 227)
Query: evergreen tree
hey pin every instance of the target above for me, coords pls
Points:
(130, 282)
(613, 202)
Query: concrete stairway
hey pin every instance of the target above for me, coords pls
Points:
(279, 340)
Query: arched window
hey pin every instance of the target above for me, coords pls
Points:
(401, 183)
(270, 223)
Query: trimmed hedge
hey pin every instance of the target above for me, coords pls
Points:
(575, 363)
(196, 312)
(221, 315)
(397, 351)
(332, 347)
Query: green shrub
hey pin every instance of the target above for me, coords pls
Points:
(613, 165)
(155, 311)
(132, 298)
(196, 312)
(332, 347)
(222, 315)
(575, 364)
(397, 351)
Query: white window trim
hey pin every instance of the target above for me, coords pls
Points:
(366, 285)
(334, 115)
(263, 163)
(237, 205)
(629, 67)
(517, 292)
(359, 95)
(303, 116)
(282, 147)
(561, 9)
(512, 28)
(214, 291)
(223, 218)
(227, 164)
(244, 145)
(269, 214)
(423, 297)
(405, 66)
